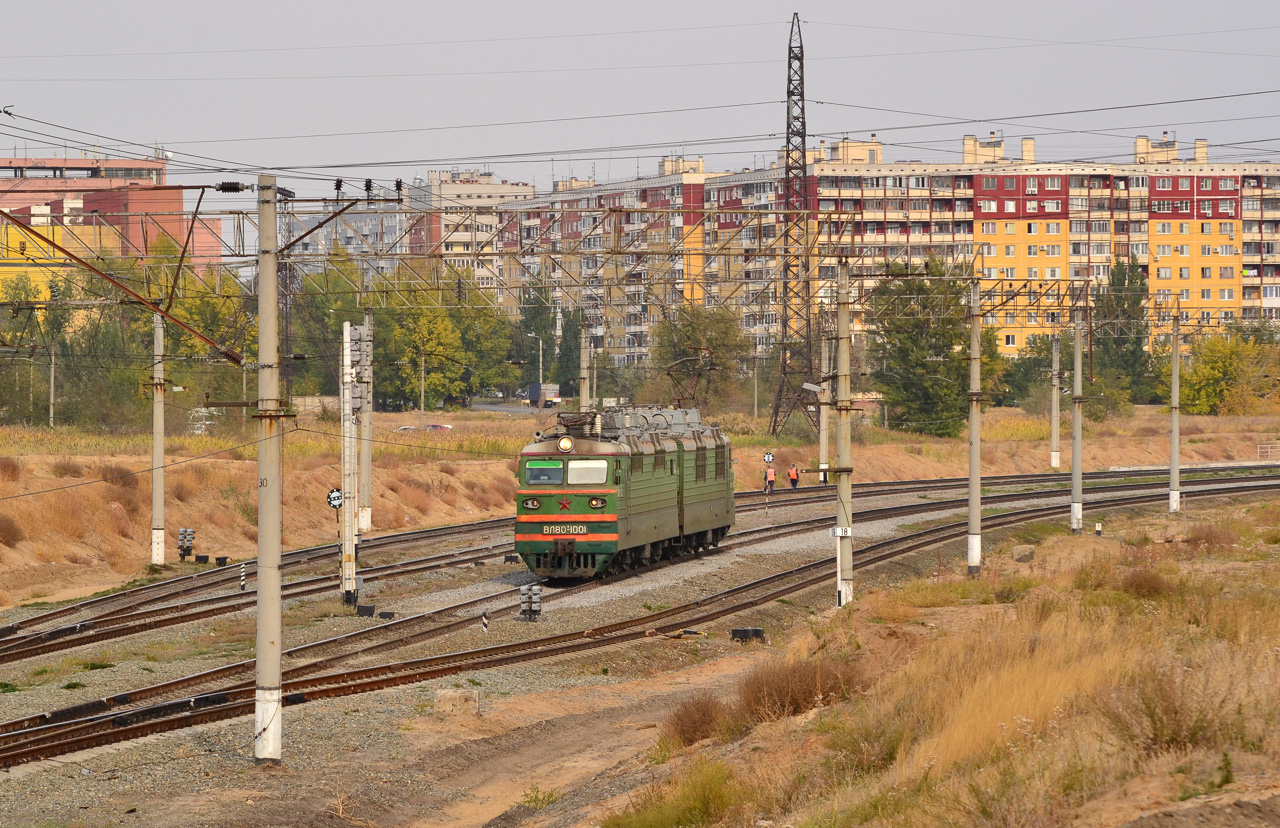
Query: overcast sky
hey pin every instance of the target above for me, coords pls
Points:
(260, 83)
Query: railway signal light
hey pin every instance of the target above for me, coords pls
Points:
(530, 602)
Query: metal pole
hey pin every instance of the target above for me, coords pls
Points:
(824, 415)
(267, 709)
(584, 371)
(422, 391)
(844, 442)
(349, 466)
(1077, 425)
(157, 441)
(366, 426)
(595, 379)
(539, 363)
(1175, 399)
(1055, 417)
(975, 429)
(53, 365)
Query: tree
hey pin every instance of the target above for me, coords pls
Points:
(1029, 370)
(485, 336)
(569, 353)
(431, 366)
(704, 349)
(920, 355)
(1229, 375)
(1121, 331)
(537, 317)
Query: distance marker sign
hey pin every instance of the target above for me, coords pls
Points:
(335, 498)
(768, 457)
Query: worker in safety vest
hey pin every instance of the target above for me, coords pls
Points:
(769, 476)
(793, 474)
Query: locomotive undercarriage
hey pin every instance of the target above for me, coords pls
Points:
(564, 561)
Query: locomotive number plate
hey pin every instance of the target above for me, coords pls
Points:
(564, 530)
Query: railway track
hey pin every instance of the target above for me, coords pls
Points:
(119, 622)
(130, 601)
(53, 739)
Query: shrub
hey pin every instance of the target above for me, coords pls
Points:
(448, 468)
(66, 467)
(11, 533)
(1164, 707)
(1145, 583)
(784, 688)
(183, 489)
(10, 468)
(118, 475)
(694, 719)
(1212, 537)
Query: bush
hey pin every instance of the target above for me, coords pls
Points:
(784, 688)
(183, 489)
(11, 533)
(10, 468)
(118, 475)
(1212, 537)
(1145, 583)
(1163, 707)
(694, 719)
(66, 467)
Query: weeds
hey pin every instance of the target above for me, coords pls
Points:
(694, 719)
(1164, 706)
(538, 799)
(67, 467)
(700, 794)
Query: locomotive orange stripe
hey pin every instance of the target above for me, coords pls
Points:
(600, 537)
(567, 518)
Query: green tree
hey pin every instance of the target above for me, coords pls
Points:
(537, 317)
(701, 350)
(920, 354)
(569, 351)
(1029, 371)
(431, 366)
(485, 336)
(1228, 375)
(1121, 332)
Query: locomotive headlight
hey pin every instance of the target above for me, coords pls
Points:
(531, 503)
(598, 503)
(565, 444)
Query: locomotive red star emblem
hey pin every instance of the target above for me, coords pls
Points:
(564, 504)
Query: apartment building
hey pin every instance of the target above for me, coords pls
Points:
(1040, 234)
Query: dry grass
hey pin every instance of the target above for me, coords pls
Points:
(183, 488)
(1212, 537)
(10, 468)
(694, 719)
(118, 475)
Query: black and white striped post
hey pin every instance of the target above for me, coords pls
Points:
(242, 577)
(484, 620)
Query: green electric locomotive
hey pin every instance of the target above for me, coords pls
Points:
(620, 489)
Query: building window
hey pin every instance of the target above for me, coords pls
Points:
(1184, 228)
(1206, 273)
(1164, 228)
(1011, 183)
(1164, 183)
(1010, 250)
(1010, 228)
(1164, 273)
(989, 228)
(1184, 183)
(1053, 182)
(1185, 295)
(1184, 273)
(1011, 206)
(1011, 340)
(1227, 228)
(1033, 228)
(1226, 273)
(1226, 183)
(1053, 206)
(1206, 294)
(1164, 250)
(986, 206)
(1032, 250)
(1053, 227)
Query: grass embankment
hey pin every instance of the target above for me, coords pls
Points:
(1074, 671)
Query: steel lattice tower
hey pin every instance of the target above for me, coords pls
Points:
(796, 353)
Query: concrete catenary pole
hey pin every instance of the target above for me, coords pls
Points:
(267, 710)
(844, 442)
(584, 370)
(1055, 417)
(824, 414)
(351, 340)
(366, 426)
(1175, 484)
(1077, 426)
(53, 364)
(975, 428)
(157, 441)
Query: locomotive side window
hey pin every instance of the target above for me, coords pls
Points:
(541, 472)
(720, 464)
(637, 463)
(700, 465)
(588, 471)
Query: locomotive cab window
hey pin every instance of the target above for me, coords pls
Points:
(588, 472)
(538, 472)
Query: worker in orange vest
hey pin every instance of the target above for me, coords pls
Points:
(793, 474)
(769, 476)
